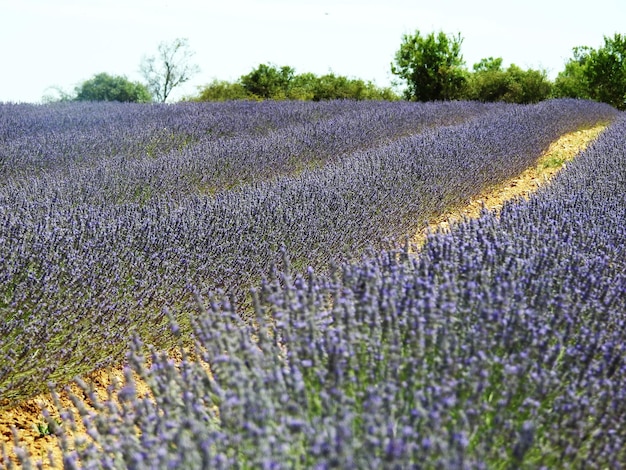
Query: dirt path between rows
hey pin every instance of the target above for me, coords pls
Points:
(549, 164)
(27, 419)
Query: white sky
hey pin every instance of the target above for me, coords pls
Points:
(46, 43)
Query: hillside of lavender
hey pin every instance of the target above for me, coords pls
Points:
(500, 345)
(112, 213)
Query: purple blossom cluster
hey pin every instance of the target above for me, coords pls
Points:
(121, 152)
(79, 270)
(501, 345)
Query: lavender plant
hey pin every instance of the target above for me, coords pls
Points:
(499, 346)
(97, 272)
(115, 152)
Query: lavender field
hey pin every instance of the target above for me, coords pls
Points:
(270, 233)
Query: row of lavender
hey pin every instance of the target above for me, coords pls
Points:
(115, 153)
(77, 274)
(500, 346)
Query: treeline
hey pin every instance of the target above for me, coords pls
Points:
(428, 68)
(489, 82)
(432, 69)
(270, 82)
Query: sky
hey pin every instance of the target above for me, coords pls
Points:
(58, 44)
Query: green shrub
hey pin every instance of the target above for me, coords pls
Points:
(222, 90)
(597, 74)
(432, 66)
(490, 82)
(270, 82)
(105, 87)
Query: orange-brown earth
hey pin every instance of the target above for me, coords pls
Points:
(27, 418)
(551, 162)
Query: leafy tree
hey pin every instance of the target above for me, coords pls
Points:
(597, 74)
(488, 65)
(605, 72)
(222, 90)
(332, 87)
(268, 81)
(170, 68)
(529, 86)
(490, 82)
(571, 82)
(105, 87)
(280, 83)
(431, 65)
(304, 87)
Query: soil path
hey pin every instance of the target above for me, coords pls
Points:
(27, 418)
(549, 164)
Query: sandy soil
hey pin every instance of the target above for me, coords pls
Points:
(26, 417)
(551, 162)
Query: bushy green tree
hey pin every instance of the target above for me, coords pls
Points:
(490, 82)
(268, 81)
(599, 74)
(605, 71)
(105, 87)
(571, 82)
(432, 66)
(222, 90)
(489, 64)
(532, 85)
(304, 87)
(331, 87)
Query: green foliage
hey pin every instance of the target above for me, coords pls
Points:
(222, 90)
(270, 82)
(597, 74)
(331, 87)
(432, 66)
(571, 82)
(47, 427)
(304, 87)
(605, 72)
(105, 87)
(490, 82)
(488, 65)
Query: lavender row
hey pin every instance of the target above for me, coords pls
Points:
(115, 153)
(76, 275)
(500, 346)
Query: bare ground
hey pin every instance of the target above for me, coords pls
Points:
(549, 164)
(28, 421)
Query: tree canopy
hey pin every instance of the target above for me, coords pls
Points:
(432, 66)
(268, 81)
(491, 82)
(105, 87)
(605, 71)
(599, 74)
